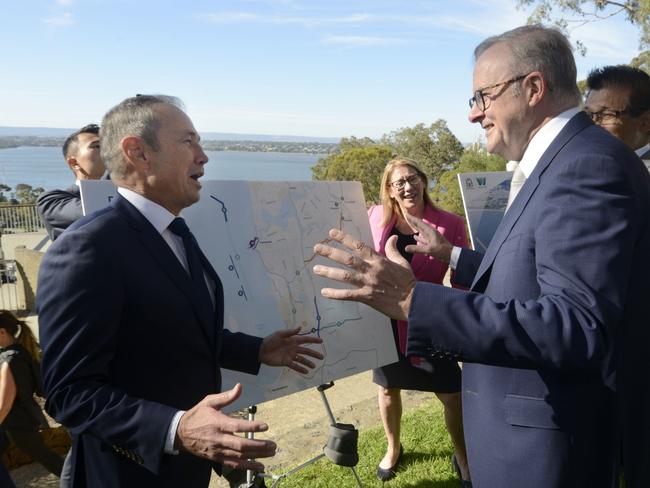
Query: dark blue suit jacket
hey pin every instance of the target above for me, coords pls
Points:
(125, 347)
(59, 209)
(553, 303)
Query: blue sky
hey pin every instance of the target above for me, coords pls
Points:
(326, 68)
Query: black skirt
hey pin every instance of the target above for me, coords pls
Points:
(444, 378)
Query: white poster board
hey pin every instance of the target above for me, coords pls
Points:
(96, 194)
(259, 237)
(485, 196)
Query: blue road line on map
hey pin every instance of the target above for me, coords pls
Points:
(340, 323)
(232, 266)
(317, 318)
(224, 210)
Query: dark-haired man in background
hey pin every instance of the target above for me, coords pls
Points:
(618, 99)
(60, 208)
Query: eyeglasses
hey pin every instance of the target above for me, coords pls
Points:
(607, 116)
(411, 180)
(479, 97)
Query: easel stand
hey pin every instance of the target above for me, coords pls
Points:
(341, 447)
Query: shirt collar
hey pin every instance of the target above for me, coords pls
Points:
(642, 150)
(157, 215)
(543, 139)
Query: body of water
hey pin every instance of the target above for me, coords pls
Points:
(45, 167)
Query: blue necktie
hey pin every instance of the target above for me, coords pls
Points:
(192, 252)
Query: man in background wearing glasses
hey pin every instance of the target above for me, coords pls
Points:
(618, 99)
(555, 322)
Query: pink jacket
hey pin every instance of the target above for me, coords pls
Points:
(424, 267)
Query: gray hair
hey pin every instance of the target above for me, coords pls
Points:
(543, 49)
(134, 116)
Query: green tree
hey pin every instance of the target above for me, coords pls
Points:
(475, 159)
(435, 147)
(642, 61)
(352, 142)
(25, 194)
(3, 190)
(637, 13)
(364, 163)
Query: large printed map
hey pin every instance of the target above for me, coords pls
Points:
(259, 236)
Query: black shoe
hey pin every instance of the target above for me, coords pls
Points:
(463, 483)
(388, 473)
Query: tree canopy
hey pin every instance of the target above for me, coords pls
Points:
(435, 147)
(25, 194)
(364, 163)
(555, 12)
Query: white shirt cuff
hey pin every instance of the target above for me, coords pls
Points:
(171, 433)
(455, 256)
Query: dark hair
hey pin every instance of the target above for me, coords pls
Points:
(70, 144)
(22, 333)
(543, 49)
(134, 116)
(635, 80)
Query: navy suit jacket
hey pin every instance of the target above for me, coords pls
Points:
(125, 346)
(560, 294)
(59, 209)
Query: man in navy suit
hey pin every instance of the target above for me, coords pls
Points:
(555, 321)
(60, 208)
(131, 321)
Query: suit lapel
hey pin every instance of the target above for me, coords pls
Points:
(578, 123)
(162, 253)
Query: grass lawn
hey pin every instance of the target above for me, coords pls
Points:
(426, 461)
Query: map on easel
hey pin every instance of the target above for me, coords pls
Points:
(259, 237)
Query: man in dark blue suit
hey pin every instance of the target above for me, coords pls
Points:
(131, 321)
(60, 208)
(555, 321)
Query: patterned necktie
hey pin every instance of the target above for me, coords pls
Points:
(192, 252)
(518, 180)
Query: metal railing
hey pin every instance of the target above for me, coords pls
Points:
(15, 219)
(8, 287)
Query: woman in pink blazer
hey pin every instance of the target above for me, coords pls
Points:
(404, 190)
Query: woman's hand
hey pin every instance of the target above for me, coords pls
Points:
(429, 240)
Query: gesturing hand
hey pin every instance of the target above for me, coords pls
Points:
(429, 240)
(384, 283)
(206, 432)
(286, 348)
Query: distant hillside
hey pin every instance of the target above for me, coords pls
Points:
(208, 136)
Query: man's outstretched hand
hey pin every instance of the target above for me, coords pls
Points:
(206, 432)
(287, 348)
(384, 283)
